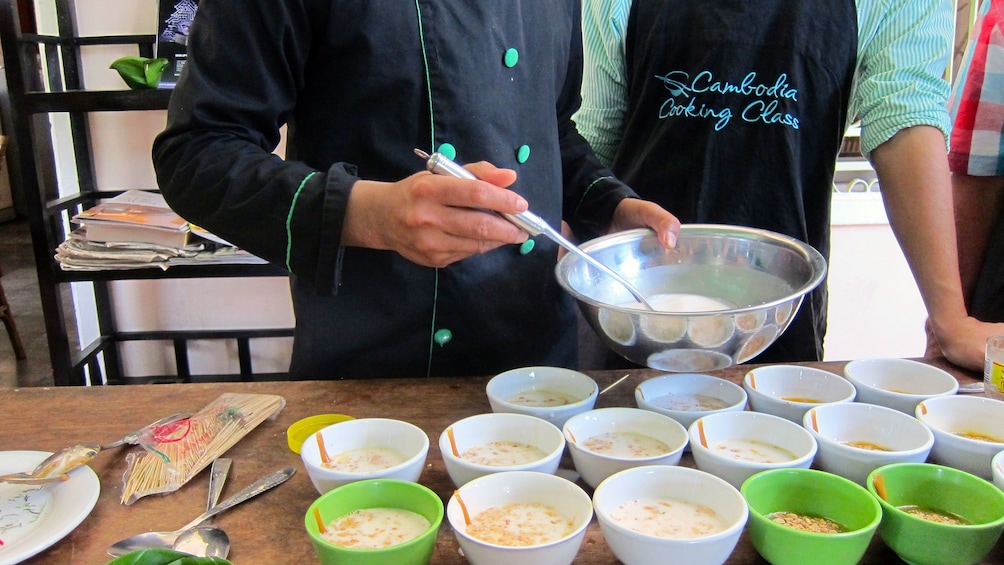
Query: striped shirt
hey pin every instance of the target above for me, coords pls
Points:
(977, 104)
(903, 52)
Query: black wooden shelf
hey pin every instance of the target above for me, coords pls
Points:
(43, 75)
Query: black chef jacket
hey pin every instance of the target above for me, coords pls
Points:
(359, 85)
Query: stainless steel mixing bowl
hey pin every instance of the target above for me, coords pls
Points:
(721, 296)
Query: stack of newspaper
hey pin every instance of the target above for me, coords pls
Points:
(137, 230)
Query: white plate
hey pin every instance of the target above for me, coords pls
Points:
(33, 518)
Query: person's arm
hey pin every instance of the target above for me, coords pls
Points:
(913, 172)
(979, 202)
(604, 86)
(249, 64)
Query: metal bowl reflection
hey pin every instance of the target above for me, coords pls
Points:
(721, 297)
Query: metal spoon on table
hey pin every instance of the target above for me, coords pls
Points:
(208, 540)
(531, 223)
(167, 539)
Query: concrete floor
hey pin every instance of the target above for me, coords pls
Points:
(20, 284)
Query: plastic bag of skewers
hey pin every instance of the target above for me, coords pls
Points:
(175, 452)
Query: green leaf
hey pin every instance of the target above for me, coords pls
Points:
(140, 72)
(165, 557)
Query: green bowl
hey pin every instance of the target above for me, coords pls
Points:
(813, 493)
(377, 493)
(924, 542)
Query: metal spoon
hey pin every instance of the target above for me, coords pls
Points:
(530, 222)
(208, 540)
(167, 539)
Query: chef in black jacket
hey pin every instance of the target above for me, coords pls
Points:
(395, 271)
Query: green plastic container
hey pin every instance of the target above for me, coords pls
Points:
(812, 493)
(377, 493)
(924, 542)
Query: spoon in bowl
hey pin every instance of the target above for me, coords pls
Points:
(208, 540)
(167, 539)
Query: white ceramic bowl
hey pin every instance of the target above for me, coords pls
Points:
(608, 440)
(789, 391)
(471, 446)
(403, 440)
(688, 396)
(735, 445)
(551, 393)
(854, 439)
(497, 490)
(683, 487)
(898, 383)
(949, 416)
(997, 469)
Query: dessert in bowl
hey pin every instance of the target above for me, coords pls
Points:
(855, 438)
(735, 445)
(375, 521)
(686, 397)
(937, 515)
(671, 515)
(606, 440)
(551, 393)
(789, 391)
(898, 383)
(800, 516)
(523, 516)
(967, 431)
(491, 443)
(365, 448)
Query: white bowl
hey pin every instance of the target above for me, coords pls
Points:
(598, 441)
(683, 487)
(686, 397)
(789, 391)
(997, 469)
(497, 490)
(721, 444)
(854, 439)
(405, 441)
(551, 393)
(482, 432)
(898, 383)
(949, 416)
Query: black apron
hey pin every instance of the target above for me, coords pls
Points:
(736, 112)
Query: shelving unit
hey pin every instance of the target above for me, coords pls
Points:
(44, 78)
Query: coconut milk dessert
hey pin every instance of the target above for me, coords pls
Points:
(669, 518)
(543, 397)
(752, 450)
(365, 460)
(503, 454)
(689, 402)
(373, 528)
(626, 445)
(519, 525)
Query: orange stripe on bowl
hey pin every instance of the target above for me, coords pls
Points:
(700, 431)
(752, 381)
(815, 425)
(325, 458)
(320, 521)
(453, 441)
(463, 507)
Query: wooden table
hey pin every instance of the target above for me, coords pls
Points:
(269, 529)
